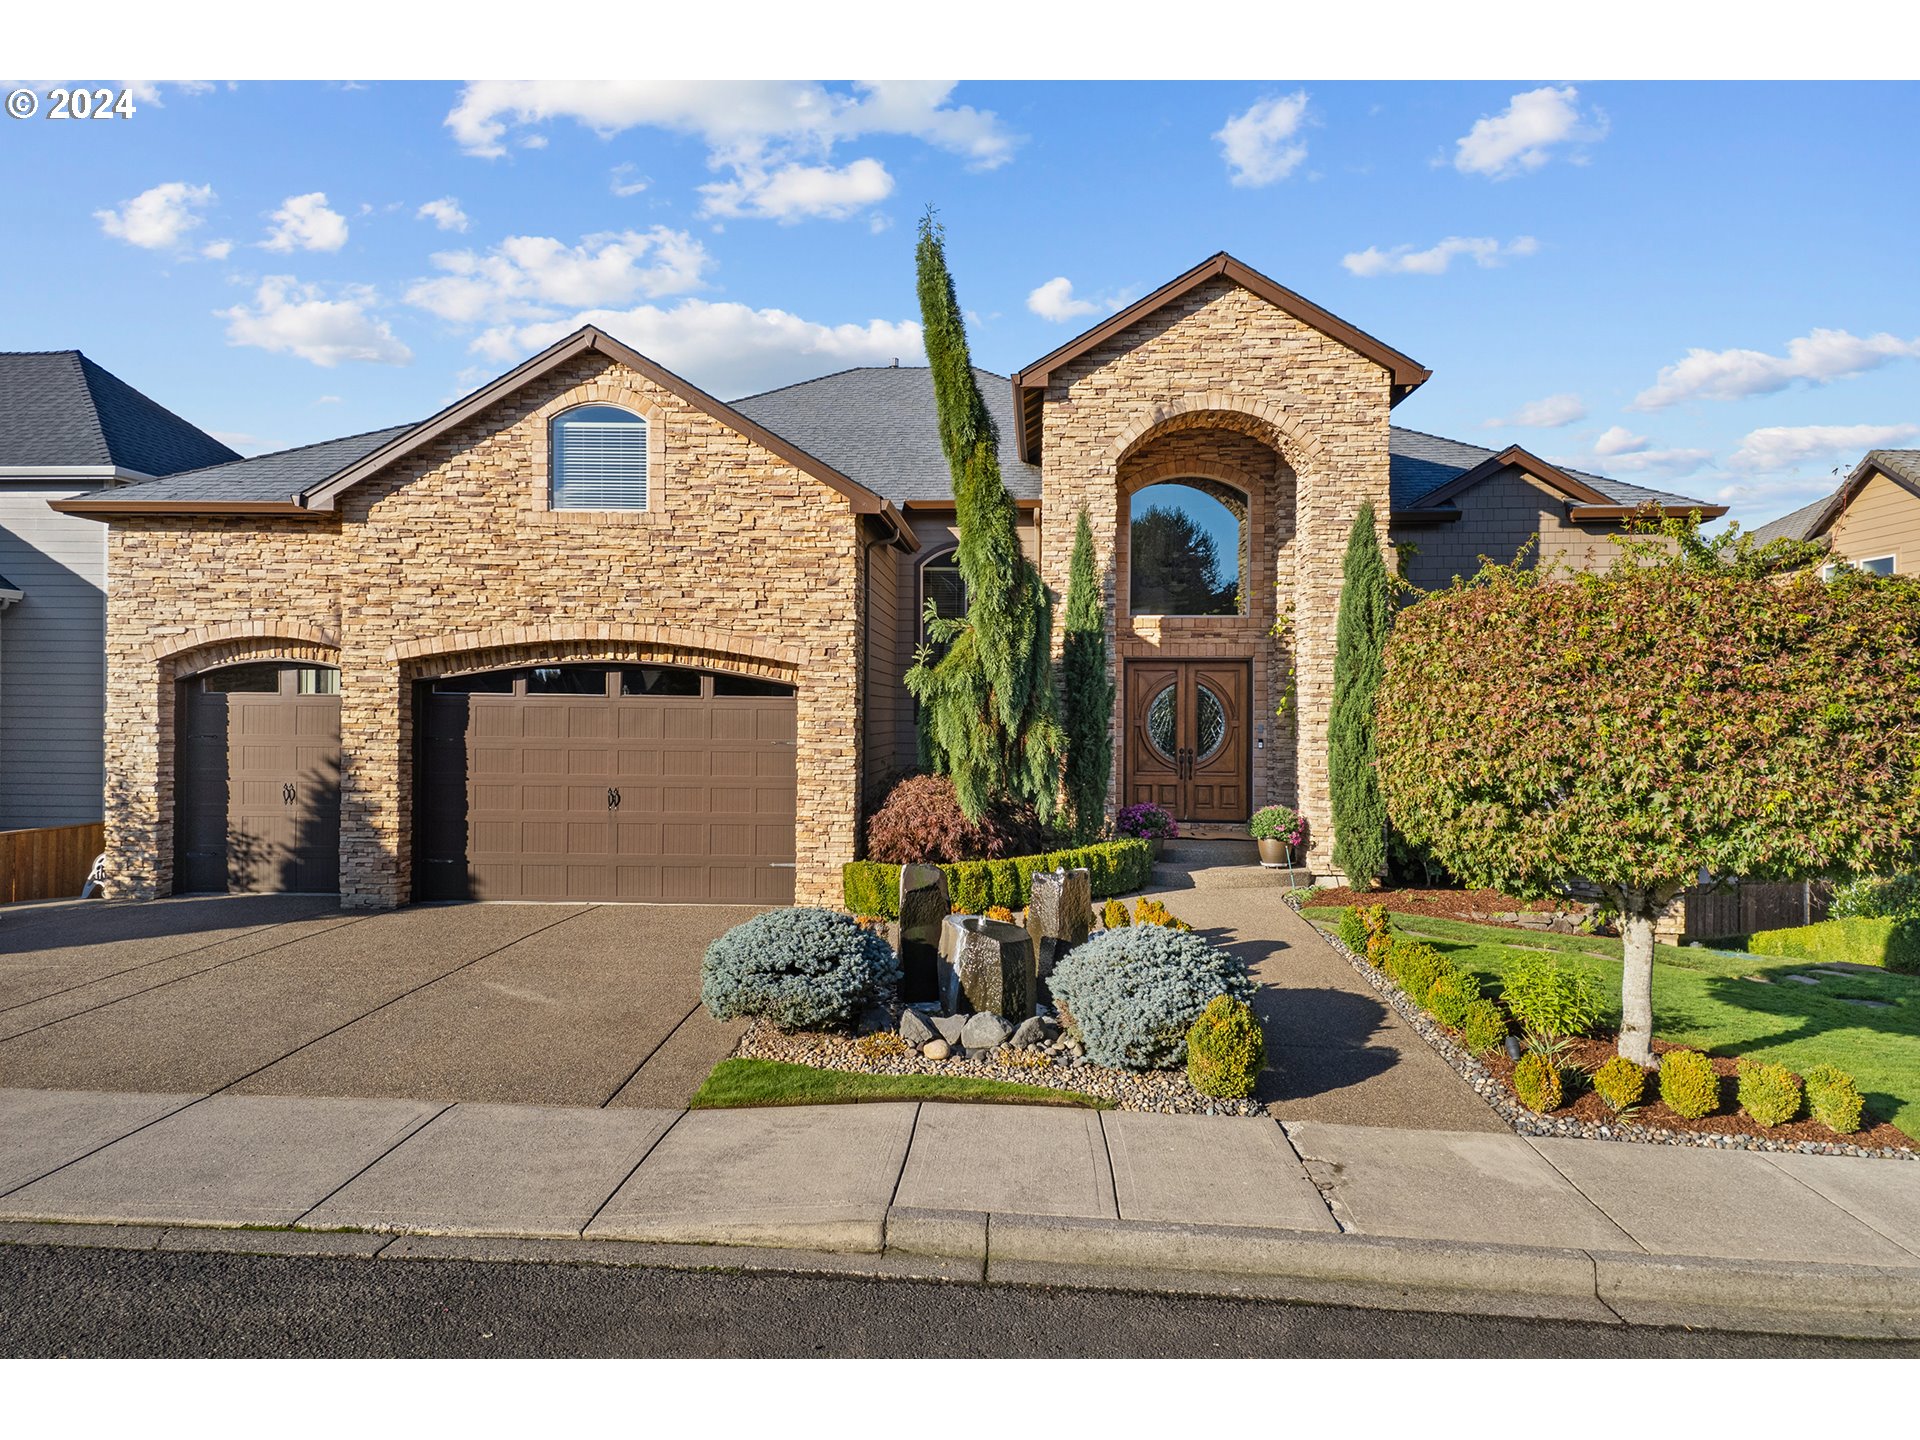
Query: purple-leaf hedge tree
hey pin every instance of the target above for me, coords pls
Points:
(1642, 727)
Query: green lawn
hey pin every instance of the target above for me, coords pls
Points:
(1701, 998)
(737, 1083)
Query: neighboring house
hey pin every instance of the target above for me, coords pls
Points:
(590, 633)
(67, 427)
(1872, 520)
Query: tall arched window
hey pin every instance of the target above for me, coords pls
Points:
(941, 582)
(599, 459)
(1187, 549)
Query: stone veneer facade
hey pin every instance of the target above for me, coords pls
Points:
(1221, 384)
(450, 560)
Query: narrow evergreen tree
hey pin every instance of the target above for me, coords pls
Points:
(1089, 690)
(1359, 812)
(987, 710)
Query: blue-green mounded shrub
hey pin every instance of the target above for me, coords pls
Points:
(1114, 867)
(801, 969)
(1133, 993)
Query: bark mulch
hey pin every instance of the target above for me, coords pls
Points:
(1588, 1054)
(1483, 907)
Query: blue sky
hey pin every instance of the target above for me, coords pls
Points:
(1709, 288)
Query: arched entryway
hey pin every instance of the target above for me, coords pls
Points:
(257, 779)
(605, 780)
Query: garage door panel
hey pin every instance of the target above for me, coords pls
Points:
(705, 801)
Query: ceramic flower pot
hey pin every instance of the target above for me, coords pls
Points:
(1274, 852)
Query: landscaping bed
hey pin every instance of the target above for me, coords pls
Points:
(1478, 950)
(1484, 907)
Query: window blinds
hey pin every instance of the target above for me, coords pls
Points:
(600, 462)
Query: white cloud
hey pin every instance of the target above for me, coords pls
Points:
(1618, 440)
(798, 192)
(1523, 136)
(530, 277)
(1773, 449)
(1658, 462)
(327, 400)
(625, 182)
(303, 222)
(723, 347)
(217, 249)
(1056, 301)
(158, 219)
(444, 212)
(1262, 144)
(1545, 414)
(1818, 357)
(1484, 251)
(290, 318)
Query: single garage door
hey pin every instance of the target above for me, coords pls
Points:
(257, 783)
(599, 782)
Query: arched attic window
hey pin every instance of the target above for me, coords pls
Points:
(598, 459)
(1187, 549)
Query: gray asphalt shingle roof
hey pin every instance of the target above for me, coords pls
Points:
(1796, 526)
(279, 476)
(1420, 464)
(877, 425)
(1904, 463)
(59, 408)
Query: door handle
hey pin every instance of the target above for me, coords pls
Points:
(287, 793)
(613, 798)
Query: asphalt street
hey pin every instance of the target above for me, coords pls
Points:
(57, 1301)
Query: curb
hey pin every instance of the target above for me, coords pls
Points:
(1157, 1257)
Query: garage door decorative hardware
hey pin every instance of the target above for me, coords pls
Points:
(613, 798)
(286, 793)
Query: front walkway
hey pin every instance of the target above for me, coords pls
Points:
(1360, 1214)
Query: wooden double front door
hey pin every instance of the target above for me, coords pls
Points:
(1186, 747)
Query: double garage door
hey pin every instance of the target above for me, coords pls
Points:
(564, 782)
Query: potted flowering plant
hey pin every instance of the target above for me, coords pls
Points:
(1148, 822)
(1280, 832)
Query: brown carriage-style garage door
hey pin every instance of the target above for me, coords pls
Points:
(257, 780)
(589, 782)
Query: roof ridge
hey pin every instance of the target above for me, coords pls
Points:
(70, 350)
(96, 377)
(846, 370)
(295, 449)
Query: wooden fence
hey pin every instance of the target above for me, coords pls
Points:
(48, 864)
(1743, 907)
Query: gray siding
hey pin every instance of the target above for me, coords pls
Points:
(1497, 517)
(52, 660)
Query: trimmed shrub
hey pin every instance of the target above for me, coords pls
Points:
(1415, 965)
(1225, 1049)
(1134, 992)
(1536, 1079)
(1376, 919)
(1379, 946)
(1352, 930)
(1113, 915)
(1888, 941)
(1450, 996)
(1769, 1093)
(1483, 1028)
(871, 888)
(1833, 1099)
(1114, 867)
(1688, 1084)
(921, 821)
(1876, 897)
(1620, 1083)
(801, 969)
(1153, 912)
(1548, 998)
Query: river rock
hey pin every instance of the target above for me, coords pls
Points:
(1059, 915)
(923, 906)
(935, 1050)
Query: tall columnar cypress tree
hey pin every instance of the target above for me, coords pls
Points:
(1089, 689)
(1359, 812)
(987, 712)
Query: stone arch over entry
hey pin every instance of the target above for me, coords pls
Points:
(1263, 420)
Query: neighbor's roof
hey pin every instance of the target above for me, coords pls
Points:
(879, 425)
(1810, 522)
(59, 408)
(1800, 525)
(1421, 465)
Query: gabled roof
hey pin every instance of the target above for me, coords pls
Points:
(1029, 386)
(312, 478)
(880, 425)
(1810, 522)
(1429, 472)
(59, 409)
(1798, 525)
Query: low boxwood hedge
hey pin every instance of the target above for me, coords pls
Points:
(1116, 867)
(1884, 941)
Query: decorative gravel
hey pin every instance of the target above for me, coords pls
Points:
(1164, 1092)
(1524, 1122)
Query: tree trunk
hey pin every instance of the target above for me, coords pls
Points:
(1636, 983)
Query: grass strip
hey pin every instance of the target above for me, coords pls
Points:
(739, 1083)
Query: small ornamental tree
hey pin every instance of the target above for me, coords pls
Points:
(1638, 728)
(987, 709)
(1089, 690)
(1359, 813)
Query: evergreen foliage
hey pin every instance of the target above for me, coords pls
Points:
(1359, 812)
(1536, 1079)
(1769, 1092)
(1089, 691)
(802, 969)
(1834, 1099)
(1134, 993)
(1226, 1049)
(1688, 1084)
(1621, 1083)
(987, 710)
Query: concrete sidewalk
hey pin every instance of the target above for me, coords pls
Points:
(1296, 1210)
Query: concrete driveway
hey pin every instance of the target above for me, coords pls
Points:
(290, 995)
